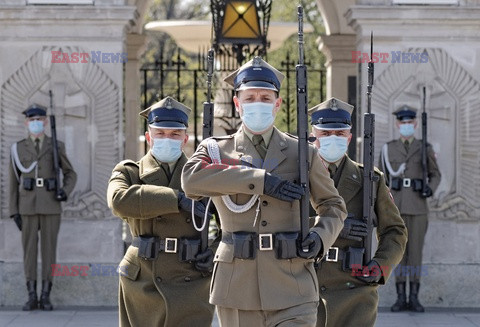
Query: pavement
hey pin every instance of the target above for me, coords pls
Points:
(108, 317)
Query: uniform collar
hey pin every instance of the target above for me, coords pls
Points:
(267, 136)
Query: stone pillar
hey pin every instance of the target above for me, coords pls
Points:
(338, 49)
(135, 45)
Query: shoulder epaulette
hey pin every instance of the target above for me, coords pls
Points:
(223, 137)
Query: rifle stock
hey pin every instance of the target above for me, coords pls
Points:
(207, 130)
(424, 146)
(56, 160)
(368, 153)
(302, 128)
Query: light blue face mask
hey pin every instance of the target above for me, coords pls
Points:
(333, 147)
(35, 126)
(407, 130)
(167, 150)
(258, 116)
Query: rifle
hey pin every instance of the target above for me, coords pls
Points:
(368, 153)
(208, 129)
(59, 192)
(302, 129)
(424, 147)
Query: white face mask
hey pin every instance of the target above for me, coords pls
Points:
(258, 116)
(167, 150)
(35, 126)
(407, 130)
(333, 147)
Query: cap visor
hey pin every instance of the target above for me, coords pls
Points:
(257, 85)
(168, 125)
(332, 126)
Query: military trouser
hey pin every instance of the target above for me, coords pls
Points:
(48, 225)
(300, 315)
(411, 264)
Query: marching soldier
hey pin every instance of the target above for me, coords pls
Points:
(351, 298)
(33, 205)
(401, 161)
(261, 277)
(164, 275)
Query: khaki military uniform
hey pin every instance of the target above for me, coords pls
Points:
(349, 301)
(263, 283)
(412, 206)
(164, 291)
(38, 207)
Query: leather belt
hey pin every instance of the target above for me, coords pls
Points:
(264, 242)
(334, 254)
(167, 245)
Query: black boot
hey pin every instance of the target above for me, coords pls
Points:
(401, 304)
(32, 302)
(45, 296)
(413, 303)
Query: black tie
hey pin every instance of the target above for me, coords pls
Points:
(37, 145)
(166, 168)
(332, 168)
(259, 145)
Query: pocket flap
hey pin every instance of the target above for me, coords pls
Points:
(224, 253)
(128, 269)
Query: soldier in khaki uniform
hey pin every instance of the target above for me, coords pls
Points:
(401, 161)
(33, 204)
(352, 299)
(164, 275)
(261, 277)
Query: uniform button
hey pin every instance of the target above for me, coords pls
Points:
(264, 223)
(158, 218)
(188, 220)
(264, 203)
(187, 279)
(323, 288)
(251, 186)
(159, 279)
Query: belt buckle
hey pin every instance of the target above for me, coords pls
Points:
(269, 241)
(407, 182)
(39, 182)
(170, 245)
(332, 254)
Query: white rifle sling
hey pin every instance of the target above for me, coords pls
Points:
(214, 153)
(16, 162)
(388, 166)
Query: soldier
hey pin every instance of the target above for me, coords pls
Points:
(33, 205)
(401, 161)
(164, 277)
(260, 277)
(352, 299)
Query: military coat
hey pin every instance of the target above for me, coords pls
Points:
(39, 201)
(164, 291)
(408, 201)
(263, 283)
(349, 301)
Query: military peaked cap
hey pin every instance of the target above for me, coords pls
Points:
(35, 110)
(331, 114)
(167, 113)
(405, 113)
(255, 74)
